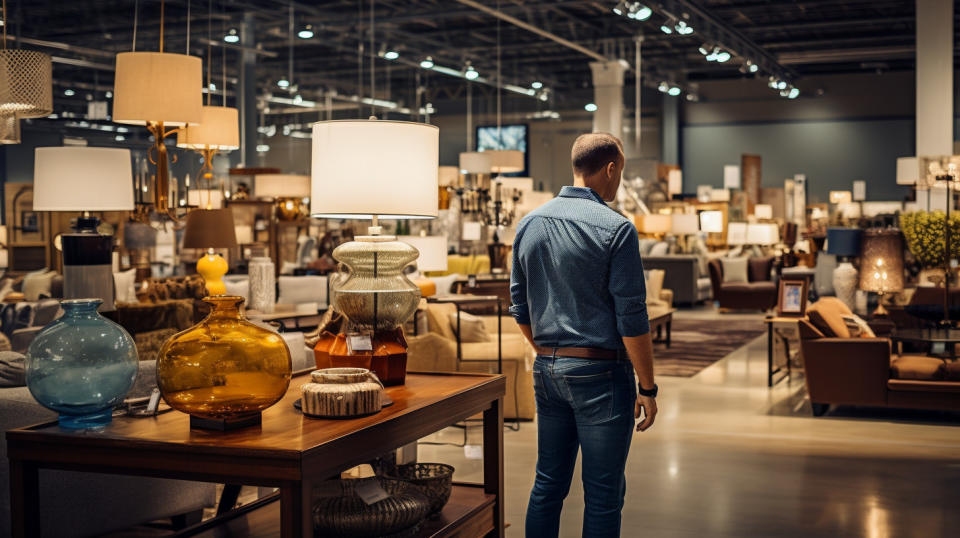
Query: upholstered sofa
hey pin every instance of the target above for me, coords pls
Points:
(759, 292)
(436, 351)
(846, 369)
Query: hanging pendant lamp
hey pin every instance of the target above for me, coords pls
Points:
(26, 83)
(9, 129)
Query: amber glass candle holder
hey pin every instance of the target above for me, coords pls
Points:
(225, 370)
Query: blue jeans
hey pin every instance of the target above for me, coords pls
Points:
(585, 404)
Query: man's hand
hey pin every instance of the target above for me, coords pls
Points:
(649, 407)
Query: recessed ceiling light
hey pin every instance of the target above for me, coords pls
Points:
(69, 93)
(536, 85)
(590, 107)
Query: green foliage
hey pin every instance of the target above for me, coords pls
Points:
(924, 232)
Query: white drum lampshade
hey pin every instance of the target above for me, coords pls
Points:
(476, 162)
(763, 211)
(158, 87)
(763, 234)
(506, 161)
(433, 251)
(219, 129)
(737, 233)
(82, 179)
(281, 186)
(363, 168)
(684, 223)
(26, 83)
(654, 224)
(711, 221)
(205, 198)
(448, 175)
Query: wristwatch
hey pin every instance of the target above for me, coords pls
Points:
(649, 393)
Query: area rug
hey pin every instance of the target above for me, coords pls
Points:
(698, 343)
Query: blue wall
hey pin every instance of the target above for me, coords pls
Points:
(832, 153)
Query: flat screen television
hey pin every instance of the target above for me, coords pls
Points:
(506, 137)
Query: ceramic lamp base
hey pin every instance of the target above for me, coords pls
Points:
(845, 284)
(224, 424)
(82, 422)
(212, 267)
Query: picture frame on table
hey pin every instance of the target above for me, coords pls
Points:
(792, 298)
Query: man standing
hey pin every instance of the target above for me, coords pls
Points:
(579, 296)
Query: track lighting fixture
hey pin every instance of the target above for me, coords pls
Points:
(427, 63)
(470, 73)
(306, 32)
(232, 36)
(590, 107)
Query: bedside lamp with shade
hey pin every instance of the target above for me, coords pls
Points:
(882, 264)
(401, 182)
(211, 229)
(106, 175)
(845, 244)
(288, 190)
(433, 257)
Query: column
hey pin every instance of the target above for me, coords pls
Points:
(670, 130)
(247, 96)
(608, 96)
(934, 77)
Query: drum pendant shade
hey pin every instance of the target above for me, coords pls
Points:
(210, 228)
(476, 162)
(158, 87)
(26, 83)
(506, 161)
(281, 186)
(218, 129)
(363, 168)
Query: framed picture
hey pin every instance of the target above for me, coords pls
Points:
(792, 299)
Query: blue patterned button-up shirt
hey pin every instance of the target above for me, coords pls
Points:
(577, 276)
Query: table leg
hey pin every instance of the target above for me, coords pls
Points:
(493, 462)
(669, 323)
(769, 354)
(499, 337)
(296, 517)
(459, 350)
(24, 499)
(228, 499)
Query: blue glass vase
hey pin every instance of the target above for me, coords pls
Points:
(81, 365)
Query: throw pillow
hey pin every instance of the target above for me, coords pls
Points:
(734, 269)
(239, 287)
(12, 369)
(827, 316)
(38, 284)
(438, 319)
(472, 328)
(858, 327)
(125, 283)
(654, 284)
(660, 249)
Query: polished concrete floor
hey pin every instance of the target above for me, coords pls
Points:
(729, 457)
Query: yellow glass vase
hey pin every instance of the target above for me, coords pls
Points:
(224, 368)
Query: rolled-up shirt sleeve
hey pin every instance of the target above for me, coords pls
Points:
(518, 286)
(627, 284)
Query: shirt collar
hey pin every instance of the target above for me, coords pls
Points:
(581, 192)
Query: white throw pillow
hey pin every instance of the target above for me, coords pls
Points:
(444, 283)
(654, 284)
(660, 249)
(125, 283)
(734, 269)
(239, 287)
(38, 283)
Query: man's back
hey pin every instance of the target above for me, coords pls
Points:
(576, 267)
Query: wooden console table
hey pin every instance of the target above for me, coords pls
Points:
(288, 451)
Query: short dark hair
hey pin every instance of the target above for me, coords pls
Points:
(591, 152)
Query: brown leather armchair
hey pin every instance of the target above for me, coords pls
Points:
(759, 293)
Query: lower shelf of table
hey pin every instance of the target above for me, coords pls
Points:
(468, 514)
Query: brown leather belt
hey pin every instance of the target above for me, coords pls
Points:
(582, 353)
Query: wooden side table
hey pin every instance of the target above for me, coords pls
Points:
(288, 451)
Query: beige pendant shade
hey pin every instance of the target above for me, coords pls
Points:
(218, 129)
(506, 161)
(26, 83)
(282, 186)
(475, 162)
(158, 87)
(9, 129)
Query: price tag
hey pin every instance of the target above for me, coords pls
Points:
(154, 401)
(371, 492)
(473, 452)
(472, 281)
(360, 342)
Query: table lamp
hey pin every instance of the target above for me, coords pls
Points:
(655, 224)
(711, 221)
(684, 225)
(433, 257)
(372, 169)
(882, 264)
(845, 244)
(764, 234)
(211, 229)
(287, 190)
(106, 179)
(763, 211)
(737, 234)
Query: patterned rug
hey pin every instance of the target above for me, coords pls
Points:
(697, 343)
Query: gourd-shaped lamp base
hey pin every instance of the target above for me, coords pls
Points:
(212, 267)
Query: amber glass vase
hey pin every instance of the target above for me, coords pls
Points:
(224, 368)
